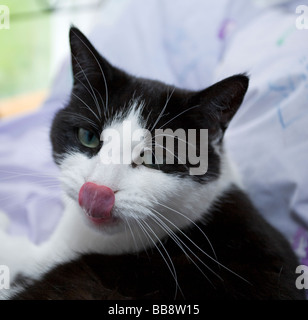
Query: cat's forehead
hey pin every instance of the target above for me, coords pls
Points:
(131, 119)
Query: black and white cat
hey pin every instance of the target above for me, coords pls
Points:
(148, 231)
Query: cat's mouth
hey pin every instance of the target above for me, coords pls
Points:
(97, 201)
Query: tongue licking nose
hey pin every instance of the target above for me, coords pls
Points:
(97, 201)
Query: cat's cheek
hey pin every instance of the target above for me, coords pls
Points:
(75, 168)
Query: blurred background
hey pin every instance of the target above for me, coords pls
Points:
(36, 42)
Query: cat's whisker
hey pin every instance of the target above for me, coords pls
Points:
(35, 178)
(179, 243)
(147, 119)
(86, 119)
(48, 186)
(101, 70)
(102, 101)
(178, 115)
(169, 135)
(32, 174)
(209, 256)
(191, 221)
(93, 94)
(169, 264)
(178, 229)
(5, 206)
(139, 230)
(87, 106)
(163, 110)
(95, 99)
(131, 232)
(172, 153)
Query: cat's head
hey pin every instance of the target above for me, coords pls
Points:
(109, 136)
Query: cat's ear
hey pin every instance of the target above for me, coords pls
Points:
(86, 61)
(221, 101)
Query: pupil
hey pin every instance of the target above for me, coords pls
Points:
(90, 136)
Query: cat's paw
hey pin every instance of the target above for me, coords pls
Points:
(4, 221)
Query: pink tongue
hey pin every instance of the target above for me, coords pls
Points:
(97, 201)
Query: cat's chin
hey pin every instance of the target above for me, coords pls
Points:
(111, 225)
(103, 222)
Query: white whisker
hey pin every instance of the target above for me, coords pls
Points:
(87, 106)
(184, 234)
(12, 198)
(163, 110)
(82, 117)
(209, 256)
(191, 221)
(32, 174)
(172, 153)
(131, 232)
(103, 102)
(101, 70)
(197, 106)
(179, 242)
(171, 265)
(169, 135)
(93, 94)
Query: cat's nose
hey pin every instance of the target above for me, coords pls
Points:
(97, 202)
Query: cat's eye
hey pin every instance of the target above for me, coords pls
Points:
(88, 138)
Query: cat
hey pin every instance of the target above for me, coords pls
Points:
(143, 230)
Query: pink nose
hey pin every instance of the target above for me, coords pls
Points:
(97, 201)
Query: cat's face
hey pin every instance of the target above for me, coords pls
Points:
(133, 194)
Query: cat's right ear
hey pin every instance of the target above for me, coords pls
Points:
(87, 63)
(222, 100)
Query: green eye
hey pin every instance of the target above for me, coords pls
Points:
(88, 138)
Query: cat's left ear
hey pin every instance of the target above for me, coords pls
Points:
(221, 101)
(86, 60)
